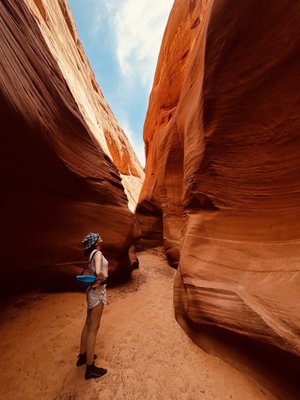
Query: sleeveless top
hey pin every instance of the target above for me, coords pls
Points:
(104, 264)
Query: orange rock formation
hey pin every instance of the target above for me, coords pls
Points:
(60, 142)
(56, 24)
(222, 188)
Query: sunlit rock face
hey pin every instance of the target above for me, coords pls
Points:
(62, 150)
(56, 24)
(222, 186)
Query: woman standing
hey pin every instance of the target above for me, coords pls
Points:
(96, 298)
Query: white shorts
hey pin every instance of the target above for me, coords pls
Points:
(96, 296)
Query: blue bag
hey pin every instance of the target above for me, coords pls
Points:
(86, 280)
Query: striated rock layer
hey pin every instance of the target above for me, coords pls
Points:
(59, 143)
(222, 186)
(59, 31)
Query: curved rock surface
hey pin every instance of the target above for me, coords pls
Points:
(59, 31)
(59, 143)
(222, 188)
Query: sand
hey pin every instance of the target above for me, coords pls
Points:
(147, 354)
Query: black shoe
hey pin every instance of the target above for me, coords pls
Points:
(81, 359)
(94, 372)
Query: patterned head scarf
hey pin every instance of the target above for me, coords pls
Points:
(90, 240)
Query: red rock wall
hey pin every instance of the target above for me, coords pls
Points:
(222, 186)
(55, 21)
(57, 183)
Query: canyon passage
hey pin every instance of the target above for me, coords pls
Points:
(219, 198)
(147, 354)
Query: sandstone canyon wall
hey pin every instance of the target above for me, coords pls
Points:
(62, 151)
(59, 31)
(222, 185)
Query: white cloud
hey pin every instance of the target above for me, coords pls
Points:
(134, 28)
(139, 27)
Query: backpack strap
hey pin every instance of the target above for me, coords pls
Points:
(92, 254)
(90, 259)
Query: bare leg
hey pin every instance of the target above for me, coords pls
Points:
(84, 333)
(93, 327)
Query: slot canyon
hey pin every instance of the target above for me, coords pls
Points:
(202, 244)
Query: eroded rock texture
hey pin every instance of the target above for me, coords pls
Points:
(55, 21)
(222, 186)
(58, 140)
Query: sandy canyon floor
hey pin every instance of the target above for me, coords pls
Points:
(147, 354)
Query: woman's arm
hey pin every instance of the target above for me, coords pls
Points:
(98, 264)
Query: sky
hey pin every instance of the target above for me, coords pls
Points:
(122, 39)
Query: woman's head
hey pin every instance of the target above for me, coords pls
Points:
(91, 241)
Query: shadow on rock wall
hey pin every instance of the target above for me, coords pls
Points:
(226, 96)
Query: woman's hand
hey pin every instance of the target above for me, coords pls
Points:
(99, 279)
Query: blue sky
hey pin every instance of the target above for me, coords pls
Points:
(122, 39)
